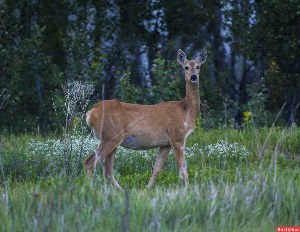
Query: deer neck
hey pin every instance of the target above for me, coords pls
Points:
(192, 101)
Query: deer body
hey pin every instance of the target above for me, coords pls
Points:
(139, 127)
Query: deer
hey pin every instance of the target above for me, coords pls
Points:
(166, 126)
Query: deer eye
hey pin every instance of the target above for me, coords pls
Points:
(198, 67)
(186, 68)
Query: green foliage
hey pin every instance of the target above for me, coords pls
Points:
(226, 186)
(43, 45)
(224, 154)
(255, 201)
(219, 151)
(257, 106)
(25, 76)
(126, 91)
(166, 86)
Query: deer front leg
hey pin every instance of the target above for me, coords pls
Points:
(180, 159)
(161, 157)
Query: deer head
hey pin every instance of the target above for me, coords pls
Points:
(192, 67)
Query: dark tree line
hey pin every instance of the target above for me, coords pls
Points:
(127, 49)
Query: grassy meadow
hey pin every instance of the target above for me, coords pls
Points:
(245, 180)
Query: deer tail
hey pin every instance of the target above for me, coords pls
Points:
(88, 117)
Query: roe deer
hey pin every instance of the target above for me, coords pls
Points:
(139, 127)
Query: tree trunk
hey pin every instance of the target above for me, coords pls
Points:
(293, 108)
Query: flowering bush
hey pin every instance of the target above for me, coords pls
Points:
(130, 161)
(52, 152)
(224, 153)
(54, 148)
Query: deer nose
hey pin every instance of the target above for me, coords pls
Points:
(193, 78)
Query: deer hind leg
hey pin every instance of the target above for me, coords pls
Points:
(162, 156)
(104, 149)
(88, 163)
(180, 159)
(108, 169)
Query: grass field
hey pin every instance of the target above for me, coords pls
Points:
(239, 181)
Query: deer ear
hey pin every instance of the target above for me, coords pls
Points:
(202, 56)
(181, 57)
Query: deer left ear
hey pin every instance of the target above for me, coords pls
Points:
(202, 56)
(181, 57)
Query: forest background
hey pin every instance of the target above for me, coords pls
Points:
(127, 50)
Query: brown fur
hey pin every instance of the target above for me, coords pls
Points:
(166, 125)
(89, 161)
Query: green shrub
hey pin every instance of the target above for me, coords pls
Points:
(209, 155)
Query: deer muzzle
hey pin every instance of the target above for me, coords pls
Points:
(193, 78)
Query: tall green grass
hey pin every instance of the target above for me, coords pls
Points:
(239, 181)
(210, 155)
(255, 203)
